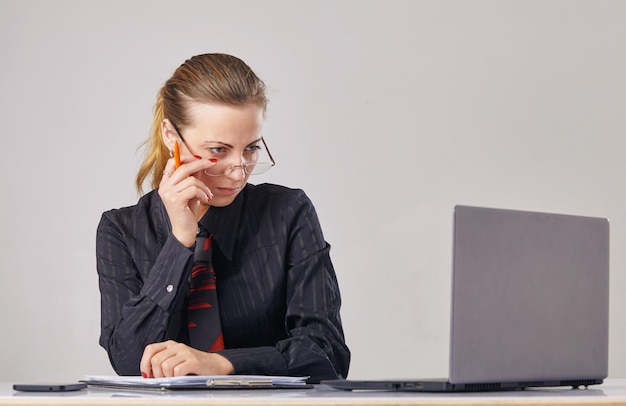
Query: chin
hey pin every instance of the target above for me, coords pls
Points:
(222, 202)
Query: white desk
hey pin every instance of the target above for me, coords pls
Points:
(612, 392)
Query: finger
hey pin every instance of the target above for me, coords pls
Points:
(196, 185)
(185, 169)
(168, 171)
(145, 365)
(187, 189)
(183, 368)
(164, 362)
(155, 367)
(186, 361)
(191, 168)
(191, 164)
(156, 362)
(204, 194)
(173, 365)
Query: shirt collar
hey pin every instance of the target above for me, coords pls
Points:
(223, 223)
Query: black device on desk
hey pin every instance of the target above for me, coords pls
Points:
(49, 387)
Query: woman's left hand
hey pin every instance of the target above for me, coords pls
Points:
(171, 358)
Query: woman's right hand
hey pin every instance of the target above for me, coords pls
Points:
(185, 196)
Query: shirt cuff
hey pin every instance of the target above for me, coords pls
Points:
(256, 361)
(168, 273)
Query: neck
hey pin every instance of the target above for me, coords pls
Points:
(201, 211)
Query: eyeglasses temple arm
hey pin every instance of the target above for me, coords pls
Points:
(268, 151)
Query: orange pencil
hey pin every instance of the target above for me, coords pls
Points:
(176, 155)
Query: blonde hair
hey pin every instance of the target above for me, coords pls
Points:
(207, 78)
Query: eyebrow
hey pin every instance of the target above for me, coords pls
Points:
(228, 145)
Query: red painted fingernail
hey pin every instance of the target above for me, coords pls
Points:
(214, 160)
(144, 374)
(197, 156)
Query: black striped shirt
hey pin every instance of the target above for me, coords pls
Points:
(277, 289)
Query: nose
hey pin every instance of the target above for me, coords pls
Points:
(237, 172)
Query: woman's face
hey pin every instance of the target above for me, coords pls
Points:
(229, 134)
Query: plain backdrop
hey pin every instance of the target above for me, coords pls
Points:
(387, 113)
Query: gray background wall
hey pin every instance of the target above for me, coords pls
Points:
(387, 113)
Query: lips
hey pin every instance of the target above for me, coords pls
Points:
(228, 191)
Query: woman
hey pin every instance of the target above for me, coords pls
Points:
(260, 247)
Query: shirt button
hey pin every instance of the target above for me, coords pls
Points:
(169, 288)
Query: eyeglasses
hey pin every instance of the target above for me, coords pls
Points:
(252, 168)
(222, 169)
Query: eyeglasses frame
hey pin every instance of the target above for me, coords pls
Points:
(233, 167)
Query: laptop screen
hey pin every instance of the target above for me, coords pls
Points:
(529, 297)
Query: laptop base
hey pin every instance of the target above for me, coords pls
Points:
(435, 385)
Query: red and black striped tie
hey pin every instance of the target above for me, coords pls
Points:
(203, 312)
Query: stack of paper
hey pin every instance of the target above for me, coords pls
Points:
(198, 382)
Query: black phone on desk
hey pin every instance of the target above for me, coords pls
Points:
(49, 386)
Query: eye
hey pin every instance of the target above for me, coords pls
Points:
(253, 148)
(217, 150)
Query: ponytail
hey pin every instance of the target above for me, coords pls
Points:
(157, 153)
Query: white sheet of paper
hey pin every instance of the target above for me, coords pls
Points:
(191, 380)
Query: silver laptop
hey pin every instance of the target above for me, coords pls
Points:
(530, 303)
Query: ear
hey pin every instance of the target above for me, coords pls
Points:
(168, 133)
